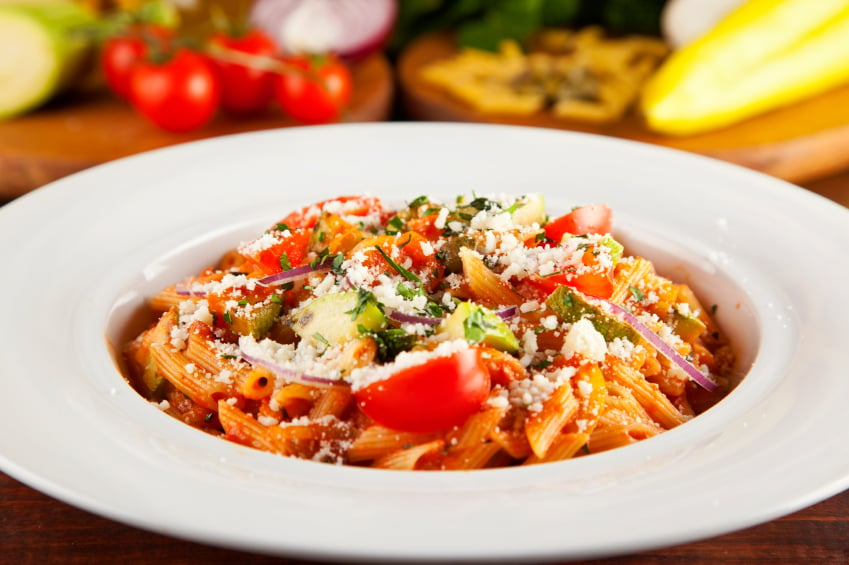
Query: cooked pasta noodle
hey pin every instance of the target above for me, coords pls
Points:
(476, 334)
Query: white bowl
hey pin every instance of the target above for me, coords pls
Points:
(82, 255)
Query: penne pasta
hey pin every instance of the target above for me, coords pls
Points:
(433, 336)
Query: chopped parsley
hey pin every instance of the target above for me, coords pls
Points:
(638, 294)
(476, 326)
(390, 342)
(364, 299)
(416, 202)
(394, 225)
(336, 264)
(398, 268)
(318, 337)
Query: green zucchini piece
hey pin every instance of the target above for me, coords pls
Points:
(477, 324)
(569, 306)
(41, 52)
(333, 319)
(687, 326)
(257, 321)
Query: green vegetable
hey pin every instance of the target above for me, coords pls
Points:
(42, 52)
(332, 319)
(687, 326)
(483, 24)
(257, 323)
(570, 306)
(476, 324)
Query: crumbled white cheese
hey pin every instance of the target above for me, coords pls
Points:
(537, 388)
(584, 340)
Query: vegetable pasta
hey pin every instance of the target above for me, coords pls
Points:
(472, 334)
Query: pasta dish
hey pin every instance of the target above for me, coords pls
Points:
(433, 335)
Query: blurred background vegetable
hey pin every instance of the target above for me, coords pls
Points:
(763, 55)
(351, 29)
(40, 52)
(483, 24)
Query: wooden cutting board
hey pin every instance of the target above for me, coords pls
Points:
(81, 131)
(799, 143)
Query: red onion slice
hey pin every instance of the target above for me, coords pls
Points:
(293, 274)
(504, 314)
(664, 348)
(291, 375)
(353, 29)
(413, 319)
(507, 313)
(186, 290)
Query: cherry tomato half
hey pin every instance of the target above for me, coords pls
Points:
(178, 95)
(245, 89)
(319, 94)
(594, 279)
(595, 218)
(434, 396)
(343, 206)
(120, 53)
(285, 253)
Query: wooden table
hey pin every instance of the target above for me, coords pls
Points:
(36, 529)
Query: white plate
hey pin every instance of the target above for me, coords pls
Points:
(80, 255)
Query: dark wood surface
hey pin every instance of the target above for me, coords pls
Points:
(36, 529)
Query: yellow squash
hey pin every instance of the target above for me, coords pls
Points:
(763, 55)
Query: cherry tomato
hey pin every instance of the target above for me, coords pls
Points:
(283, 254)
(406, 248)
(595, 218)
(120, 54)
(178, 95)
(434, 396)
(426, 226)
(319, 94)
(342, 206)
(596, 281)
(245, 89)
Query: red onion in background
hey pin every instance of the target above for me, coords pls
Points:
(353, 29)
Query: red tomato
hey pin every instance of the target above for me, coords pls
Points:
(425, 226)
(592, 283)
(351, 206)
(596, 282)
(178, 95)
(434, 396)
(319, 94)
(595, 218)
(271, 259)
(245, 90)
(122, 52)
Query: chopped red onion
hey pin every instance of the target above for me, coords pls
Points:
(291, 375)
(413, 319)
(353, 29)
(293, 274)
(664, 348)
(186, 290)
(507, 313)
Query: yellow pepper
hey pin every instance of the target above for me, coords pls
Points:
(764, 55)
